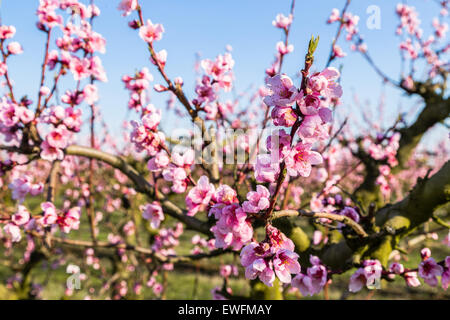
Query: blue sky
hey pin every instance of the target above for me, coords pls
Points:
(207, 26)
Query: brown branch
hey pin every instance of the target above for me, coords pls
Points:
(146, 251)
(332, 216)
(142, 185)
(436, 110)
(44, 65)
(338, 33)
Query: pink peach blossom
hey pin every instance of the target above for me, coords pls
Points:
(127, 6)
(199, 196)
(257, 200)
(14, 48)
(300, 159)
(150, 32)
(154, 213)
(266, 170)
(429, 270)
(282, 91)
(21, 217)
(281, 21)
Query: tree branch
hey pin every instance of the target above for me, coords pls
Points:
(142, 185)
(335, 217)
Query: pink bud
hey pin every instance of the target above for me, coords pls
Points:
(425, 253)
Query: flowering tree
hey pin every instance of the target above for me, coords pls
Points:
(291, 197)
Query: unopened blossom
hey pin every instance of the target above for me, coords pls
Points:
(334, 16)
(160, 88)
(283, 116)
(199, 196)
(150, 32)
(338, 52)
(154, 213)
(257, 200)
(425, 253)
(408, 83)
(317, 237)
(281, 21)
(396, 268)
(44, 90)
(53, 59)
(14, 48)
(282, 91)
(300, 159)
(283, 49)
